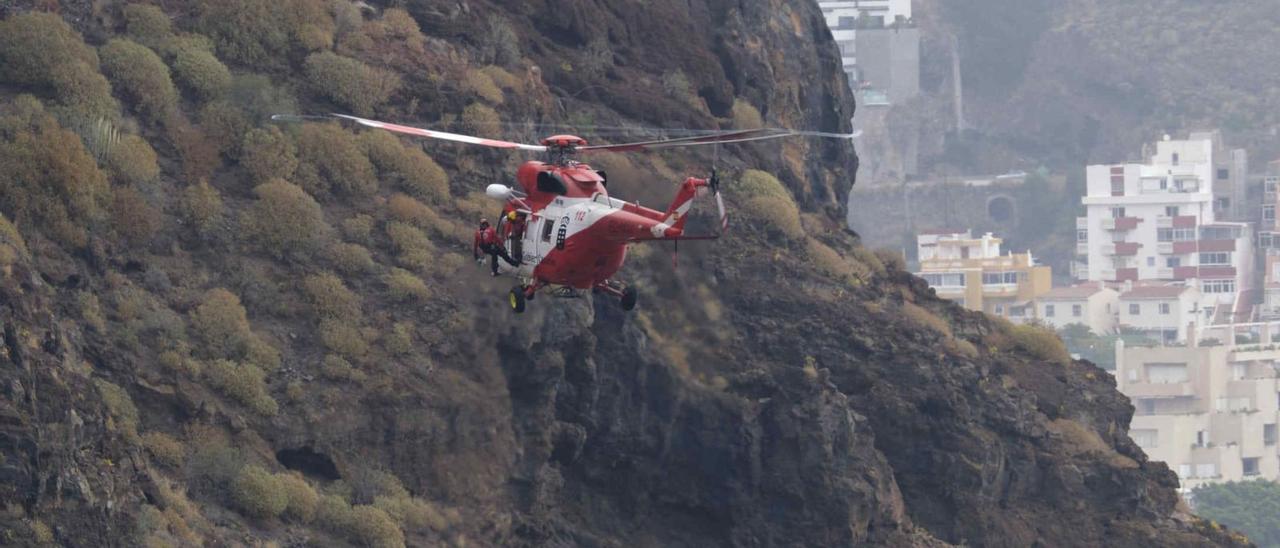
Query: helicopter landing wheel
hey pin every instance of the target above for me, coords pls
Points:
(516, 299)
(629, 298)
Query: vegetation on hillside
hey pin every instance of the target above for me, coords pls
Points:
(1250, 507)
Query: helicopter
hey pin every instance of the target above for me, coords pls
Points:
(572, 235)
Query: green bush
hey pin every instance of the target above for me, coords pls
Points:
(262, 354)
(745, 116)
(404, 286)
(754, 183)
(413, 514)
(147, 25)
(373, 527)
(12, 246)
(411, 168)
(84, 91)
(334, 514)
(408, 240)
(349, 82)
(358, 228)
(333, 161)
(132, 160)
(221, 324)
(1041, 343)
(777, 213)
(479, 83)
(225, 125)
(337, 368)
(268, 154)
(245, 383)
(201, 207)
(249, 32)
(198, 153)
(259, 494)
(33, 44)
(164, 449)
(143, 78)
(201, 72)
(284, 219)
(399, 341)
(343, 339)
(120, 406)
(330, 298)
(303, 500)
(480, 119)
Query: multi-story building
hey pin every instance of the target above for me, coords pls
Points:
(1164, 313)
(1165, 220)
(1091, 304)
(879, 47)
(972, 272)
(1208, 409)
(1269, 242)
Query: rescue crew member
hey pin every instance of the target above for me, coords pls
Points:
(516, 224)
(487, 241)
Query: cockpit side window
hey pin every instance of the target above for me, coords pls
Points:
(548, 182)
(548, 226)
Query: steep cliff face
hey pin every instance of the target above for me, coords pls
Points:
(176, 377)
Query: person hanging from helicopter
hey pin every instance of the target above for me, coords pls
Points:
(487, 241)
(515, 227)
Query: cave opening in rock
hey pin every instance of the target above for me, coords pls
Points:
(309, 462)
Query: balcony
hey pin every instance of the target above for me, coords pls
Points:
(1158, 390)
(1184, 221)
(1126, 275)
(1120, 223)
(1182, 248)
(1106, 274)
(1082, 223)
(1217, 245)
(1164, 248)
(1082, 248)
(1125, 249)
(1164, 222)
(1164, 273)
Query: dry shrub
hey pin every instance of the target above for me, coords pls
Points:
(961, 347)
(262, 354)
(84, 91)
(404, 286)
(245, 383)
(373, 527)
(120, 406)
(344, 339)
(827, 260)
(48, 180)
(201, 207)
(225, 125)
(221, 324)
(407, 240)
(285, 219)
(780, 214)
(164, 449)
(349, 82)
(480, 119)
(745, 116)
(248, 32)
(198, 153)
(351, 258)
(302, 498)
(261, 97)
(891, 260)
(12, 246)
(330, 298)
(140, 74)
(413, 514)
(259, 494)
(331, 160)
(411, 211)
(335, 367)
(179, 362)
(501, 77)
(1040, 342)
(91, 311)
(199, 71)
(754, 182)
(33, 44)
(268, 154)
(869, 260)
(399, 341)
(480, 84)
(132, 217)
(132, 160)
(923, 318)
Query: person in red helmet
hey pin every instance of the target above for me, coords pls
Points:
(487, 241)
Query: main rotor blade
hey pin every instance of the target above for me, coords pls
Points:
(446, 136)
(739, 136)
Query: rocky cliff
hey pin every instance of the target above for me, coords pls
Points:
(220, 331)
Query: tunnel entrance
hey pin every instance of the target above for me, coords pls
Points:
(309, 462)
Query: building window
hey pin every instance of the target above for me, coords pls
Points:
(1264, 240)
(1269, 185)
(1238, 371)
(1144, 406)
(1082, 236)
(944, 279)
(1166, 373)
(1219, 233)
(1218, 258)
(1117, 185)
(1117, 212)
(1135, 309)
(1077, 310)
(1173, 262)
(1184, 234)
(1175, 158)
(999, 278)
(1250, 466)
(1218, 286)
(1223, 174)
(1170, 211)
(999, 310)
(1184, 471)
(1269, 434)
(1269, 213)
(1151, 261)
(1146, 438)
(1209, 470)
(1048, 311)
(1221, 204)
(1164, 309)
(1164, 234)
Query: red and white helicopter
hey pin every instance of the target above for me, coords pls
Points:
(573, 235)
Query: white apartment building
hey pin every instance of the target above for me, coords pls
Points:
(1157, 221)
(1091, 304)
(1209, 412)
(1164, 313)
(890, 68)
